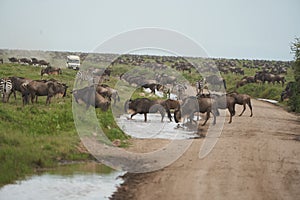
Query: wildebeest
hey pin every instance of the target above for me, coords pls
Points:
(191, 105)
(153, 87)
(108, 92)
(241, 83)
(43, 63)
(13, 60)
(144, 106)
(268, 77)
(25, 61)
(237, 70)
(172, 104)
(51, 70)
(20, 84)
(242, 99)
(91, 98)
(34, 61)
(224, 102)
(249, 79)
(1, 60)
(46, 88)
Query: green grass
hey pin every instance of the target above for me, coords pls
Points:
(40, 135)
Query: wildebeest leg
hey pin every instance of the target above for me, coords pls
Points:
(48, 100)
(145, 116)
(32, 98)
(214, 122)
(169, 115)
(231, 109)
(25, 97)
(132, 115)
(10, 94)
(244, 108)
(207, 117)
(231, 114)
(250, 106)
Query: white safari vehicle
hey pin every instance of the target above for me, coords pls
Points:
(73, 62)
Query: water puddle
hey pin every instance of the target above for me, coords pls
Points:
(80, 181)
(153, 128)
(268, 100)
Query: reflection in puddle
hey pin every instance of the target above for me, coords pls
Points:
(153, 128)
(64, 186)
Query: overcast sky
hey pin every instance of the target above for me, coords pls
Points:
(260, 29)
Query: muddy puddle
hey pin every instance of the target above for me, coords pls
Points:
(154, 128)
(87, 181)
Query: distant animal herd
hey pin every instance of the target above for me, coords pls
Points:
(96, 93)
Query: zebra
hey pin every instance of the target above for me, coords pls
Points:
(83, 76)
(200, 84)
(6, 88)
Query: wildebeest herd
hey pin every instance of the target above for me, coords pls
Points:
(29, 61)
(93, 91)
(31, 89)
(186, 109)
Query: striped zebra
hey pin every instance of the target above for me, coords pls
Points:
(84, 76)
(200, 84)
(6, 88)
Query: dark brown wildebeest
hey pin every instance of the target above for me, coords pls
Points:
(34, 61)
(241, 83)
(237, 70)
(13, 60)
(43, 63)
(191, 105)
(153, 87)
(172, 104)
(279, 79)
(242, 99)
(1, 60)
(224, 102)
(25, 61)
(144, 106)
(90, 97)
(249, 79)
(270, 78)
(51, 70)
(20, 85)
(108, 92)
(46, 88)
(184, 68)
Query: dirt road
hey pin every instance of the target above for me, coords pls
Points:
(254, 158)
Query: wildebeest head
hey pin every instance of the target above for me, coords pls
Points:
(60, 89)
(90, 97)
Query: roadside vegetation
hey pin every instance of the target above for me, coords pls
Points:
(39, 136)
(294, 101)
